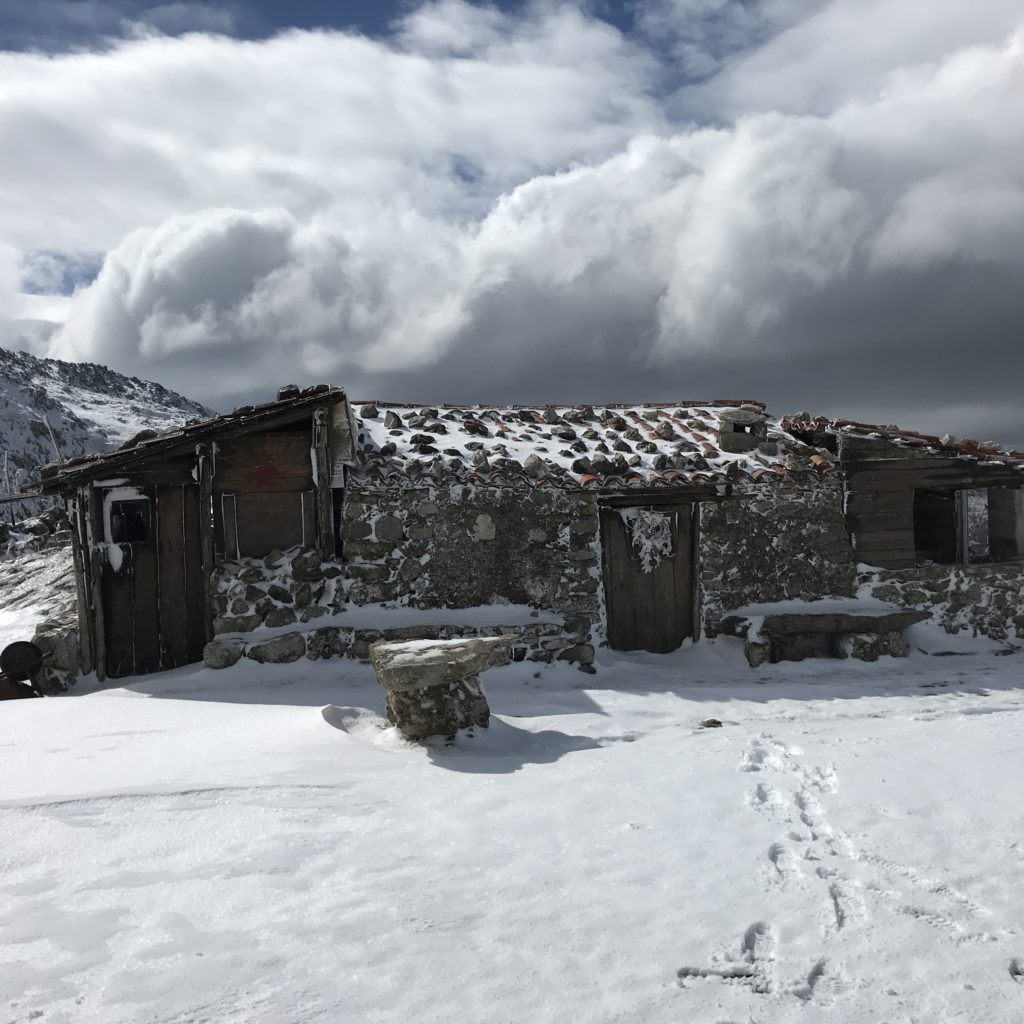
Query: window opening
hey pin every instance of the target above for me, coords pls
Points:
(130, 521)
(969, 526)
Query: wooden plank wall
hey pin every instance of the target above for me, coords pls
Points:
(267, 474)
(880, 500)
(265, 463)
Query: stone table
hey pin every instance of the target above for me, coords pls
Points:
(434, 685)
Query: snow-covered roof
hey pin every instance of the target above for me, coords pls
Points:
(805, 425)
(571, 446)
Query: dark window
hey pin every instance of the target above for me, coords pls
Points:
(968, 526)
(129, 521)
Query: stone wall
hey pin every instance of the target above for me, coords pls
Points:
(983, 600)
(542, 641)
(435, 547)
(776, 541)
(460, 547)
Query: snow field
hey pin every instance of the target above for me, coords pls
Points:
(213, 846)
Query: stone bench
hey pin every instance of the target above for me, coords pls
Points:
(865, 635)
(434, 685)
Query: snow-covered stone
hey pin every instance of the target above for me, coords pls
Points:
(434, 685)
(223, 653)
(278, 650)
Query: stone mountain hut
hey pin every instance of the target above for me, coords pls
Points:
(310, 526)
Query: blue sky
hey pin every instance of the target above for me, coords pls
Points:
(56, 25)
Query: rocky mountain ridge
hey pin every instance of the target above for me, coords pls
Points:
(51, 408)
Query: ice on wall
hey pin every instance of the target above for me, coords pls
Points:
(651, 534)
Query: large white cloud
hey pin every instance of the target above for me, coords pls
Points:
(498, 207)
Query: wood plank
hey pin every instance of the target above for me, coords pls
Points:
(873, 522)
(99, 613)
(324, 498)
(883, 538)
(204, 471)
(83, 594)
(171, 471)
(341, 442)
(119, 611)
(309, 503)
(266, 461)
(268, 521)
(229, 525)
(198, 626)
(171, 608)
(857, 467)
(881, 501)
(145, 596)
(243, 481)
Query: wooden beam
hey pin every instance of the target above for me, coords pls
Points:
(204, 472)
(80, 554)
(324, 497)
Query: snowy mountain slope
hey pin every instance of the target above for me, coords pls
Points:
(89, 407)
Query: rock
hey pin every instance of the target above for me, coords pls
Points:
(306, 566)
(368, 412)
(236, 623)
(250, 574)
(239, 606)
(389, 528)
(416, 664)
(223, 653)
(711, 723)
(484, 528)
(312, 611)
(280, 594)
(428, 508)
(325, 643)
(60, 640)
(278, 651)
(409, 570)
(303, 595)
(274, 559)
(392, 421)
(438, 710)
(280, 617)
(581, 654)
(534, 465)
(756, 653)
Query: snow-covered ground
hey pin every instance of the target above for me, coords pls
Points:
(215, 847)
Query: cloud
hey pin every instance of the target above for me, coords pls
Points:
(495, 207)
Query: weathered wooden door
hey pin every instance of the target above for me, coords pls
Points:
(129, 586)
(648, 576)
(153, 588)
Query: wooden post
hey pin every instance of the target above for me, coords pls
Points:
(204, 471)
(80, 554)
(324, 499)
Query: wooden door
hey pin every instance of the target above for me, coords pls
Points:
(649, 601)
(129, 588)
(153, 590)
(182, 607)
